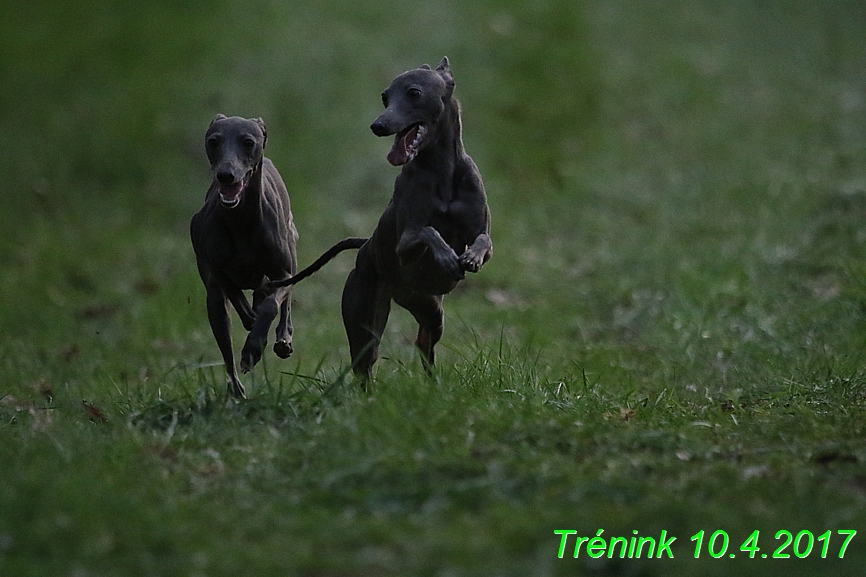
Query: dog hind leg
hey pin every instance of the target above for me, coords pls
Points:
(428, 312)
(366, 305)
(242, 306)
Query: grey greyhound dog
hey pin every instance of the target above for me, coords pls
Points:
(436, 227)
(243, 237)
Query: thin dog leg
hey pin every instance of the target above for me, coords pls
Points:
(221, 325)
(427, 310)
(266, 312)
(283, 344)
(366, 305)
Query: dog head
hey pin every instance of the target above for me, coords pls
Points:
(414, 104)
(235, 148)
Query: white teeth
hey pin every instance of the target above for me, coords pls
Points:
(419, 137)
(230, 203)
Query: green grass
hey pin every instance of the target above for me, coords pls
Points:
(671, 334)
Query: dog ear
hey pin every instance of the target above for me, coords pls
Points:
(264, 128)
(444, 70)
(424, 67)
(444, 66)
(218, 117)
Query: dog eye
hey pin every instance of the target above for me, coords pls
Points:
(249, 143)
(413, 94)
(385, 99)
(213, 142)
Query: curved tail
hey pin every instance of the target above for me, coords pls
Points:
(345, 244)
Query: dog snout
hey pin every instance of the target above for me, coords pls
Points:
(379, 127)
(225, 177)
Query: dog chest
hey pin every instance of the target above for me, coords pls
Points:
(247, 261)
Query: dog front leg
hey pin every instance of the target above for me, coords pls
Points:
(221, 325)
(477, 254)
(283, 344)
(266, 311)
(428, 237)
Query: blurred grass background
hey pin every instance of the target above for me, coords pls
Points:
(670, 334)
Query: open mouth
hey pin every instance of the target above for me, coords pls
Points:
(230, 194)
(406, 144)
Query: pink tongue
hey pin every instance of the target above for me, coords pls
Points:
(399, 154)
(230, 191)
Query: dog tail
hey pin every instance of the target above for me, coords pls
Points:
(345, 244)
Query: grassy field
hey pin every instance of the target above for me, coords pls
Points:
(670, 337)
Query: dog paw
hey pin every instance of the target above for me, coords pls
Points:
(283, 349)
(245, 365)
(250, 356)
(470, 261)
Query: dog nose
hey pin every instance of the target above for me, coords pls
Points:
(378, 127)
(225, 177)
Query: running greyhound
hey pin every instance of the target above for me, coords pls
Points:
(243, 237)
(436, 227)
